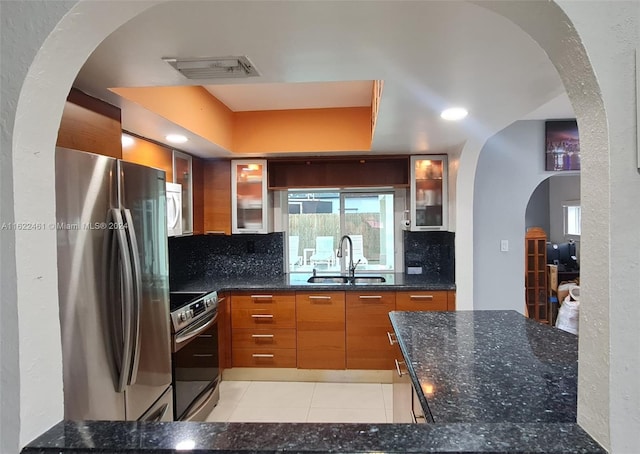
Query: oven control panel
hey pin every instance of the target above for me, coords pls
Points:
(194, 310)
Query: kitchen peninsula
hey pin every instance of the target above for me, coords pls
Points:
(490, 395)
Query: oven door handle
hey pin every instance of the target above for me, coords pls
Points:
(194, 330)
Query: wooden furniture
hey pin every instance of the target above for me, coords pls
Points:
(332, 330)
(263, 329)
(89, 124)
(367, 325)
(352, 171)
(217, 196)
(429, 182)
(249, 196)
(536, 293)
(440, 300)
(320, 318)
(224, 331)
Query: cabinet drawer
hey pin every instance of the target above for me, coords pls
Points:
(321, 311)
(422, 301)
(263, 311)
(267, 338)
(264, 357)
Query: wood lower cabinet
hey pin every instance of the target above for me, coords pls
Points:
(331, 330)
(224, 331)
(320, 324)
(425, 301)
(367, 325)
(263, 329)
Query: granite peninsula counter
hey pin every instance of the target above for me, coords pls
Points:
(489, 367)
(474, 404)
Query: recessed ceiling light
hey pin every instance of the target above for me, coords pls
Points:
(176, 138)
(126, 140)
(454, 113)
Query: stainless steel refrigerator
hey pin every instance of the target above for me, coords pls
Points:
(113, 288)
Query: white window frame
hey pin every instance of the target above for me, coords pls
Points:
(568, 223)
(399, 202)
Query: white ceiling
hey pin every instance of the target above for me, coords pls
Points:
(301, 95)
(431, 55)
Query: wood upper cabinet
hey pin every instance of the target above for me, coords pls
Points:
(320, 318)
(263, 329)
(89, 124)
(429, 207)
(249, 196)
(217, 196)
(367, 325)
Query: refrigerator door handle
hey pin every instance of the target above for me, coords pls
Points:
(123, 271)
(136, 294)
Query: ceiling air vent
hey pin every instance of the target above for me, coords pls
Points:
(214, 67)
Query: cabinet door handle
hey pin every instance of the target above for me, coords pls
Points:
(262, 336)
(317, 298)
(261, 315)
(262, 297)
(392, 338)
(262, 355)
(220, 300)
(370, 297)
(400, 373)
(421, 297)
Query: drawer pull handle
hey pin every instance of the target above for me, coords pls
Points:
(220, 300)
(262, 336)
(400, 373)
(262, 355)
(314, 297)
(421, 297)
(202, 355)
(392, 338)
(264, 297)
(261, 315)
(370, 297)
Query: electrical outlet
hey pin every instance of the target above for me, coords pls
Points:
(504, 245)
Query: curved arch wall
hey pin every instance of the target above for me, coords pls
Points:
(41, 55)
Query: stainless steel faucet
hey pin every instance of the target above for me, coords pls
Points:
(352, 267)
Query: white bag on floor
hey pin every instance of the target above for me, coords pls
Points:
(568, 314)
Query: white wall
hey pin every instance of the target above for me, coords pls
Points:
(562, 188)
(510, 167)
(537, 213)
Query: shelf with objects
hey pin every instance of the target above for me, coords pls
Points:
(249, 196)
(429, 202)
(536, 293)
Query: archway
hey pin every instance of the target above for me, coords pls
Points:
(33, 140)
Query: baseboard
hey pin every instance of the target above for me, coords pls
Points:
(315, 375)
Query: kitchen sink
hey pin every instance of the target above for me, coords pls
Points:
(340, 279)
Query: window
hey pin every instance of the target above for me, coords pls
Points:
(318, 220)
(572, 218)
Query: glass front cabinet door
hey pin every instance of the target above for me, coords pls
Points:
(249, 198)
(429, 192)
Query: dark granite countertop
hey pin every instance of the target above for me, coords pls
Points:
(201, 438)
(489, 366)
(490, 362)
(298, 281)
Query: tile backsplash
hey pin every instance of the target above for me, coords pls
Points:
(431, 252)
(197, 256)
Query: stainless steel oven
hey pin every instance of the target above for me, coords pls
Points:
(195, 363)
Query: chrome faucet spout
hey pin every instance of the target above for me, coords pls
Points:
(352, 267)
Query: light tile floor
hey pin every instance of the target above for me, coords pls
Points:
(270, 401)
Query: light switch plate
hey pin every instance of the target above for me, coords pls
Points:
(504, 245)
